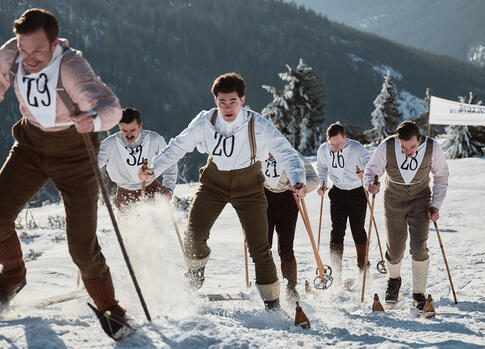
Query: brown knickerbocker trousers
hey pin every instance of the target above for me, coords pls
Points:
(61, 156)
(243, 189)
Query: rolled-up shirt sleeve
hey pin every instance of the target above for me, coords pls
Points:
(376, 165)
(89, 92)
(439, 169)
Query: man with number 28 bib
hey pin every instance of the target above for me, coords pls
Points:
(408, 158)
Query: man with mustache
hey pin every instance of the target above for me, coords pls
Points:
(408, 158)
(123, 153)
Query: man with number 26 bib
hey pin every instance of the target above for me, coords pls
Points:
(337, 158)
(408, 158)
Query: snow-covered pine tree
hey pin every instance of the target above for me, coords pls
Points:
(297, 110)
(459, 141)
(386, 116)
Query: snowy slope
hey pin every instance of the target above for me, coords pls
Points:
(183, 320)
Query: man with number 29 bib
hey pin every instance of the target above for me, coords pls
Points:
(237, 140)
(48, 145)
(337, 158)
(123, 153)
(408, 158)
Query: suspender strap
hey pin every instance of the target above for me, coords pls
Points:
(252, 139)
(14, 68)
(61, 91)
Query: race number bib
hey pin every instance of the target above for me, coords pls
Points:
(272, 172)
(409, 166)
(38, 90)
(227, 152)
(133, 156)
(336, 161)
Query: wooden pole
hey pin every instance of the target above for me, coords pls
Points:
(446, 262)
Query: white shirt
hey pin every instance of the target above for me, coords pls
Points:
(341, 165)
(231, 152)
(122, 163)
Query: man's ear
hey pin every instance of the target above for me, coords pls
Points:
(243, 99)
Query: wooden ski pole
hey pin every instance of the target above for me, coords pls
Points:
(366, 260)
(304, 216)
(248, 283)
(143, 182)
(175, 226)
(373, 218)
(94, 163)
(320, 222)
(446, 262)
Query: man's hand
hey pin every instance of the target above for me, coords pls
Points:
(300, 190)
(83, 122)
(145, 173)
(321, 190)
(374, 188)
(433, 213)
(360, 174)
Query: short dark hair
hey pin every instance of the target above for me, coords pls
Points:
(406, 130)
(35, 19)
(130, 114)
(335, 129)
(227, 83)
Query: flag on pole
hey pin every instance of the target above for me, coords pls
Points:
(446, 112)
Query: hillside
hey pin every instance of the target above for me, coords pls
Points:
(447, 27)
(162, 56)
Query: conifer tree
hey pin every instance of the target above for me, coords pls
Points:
(460, 142)
(386, 115)
(297, 110)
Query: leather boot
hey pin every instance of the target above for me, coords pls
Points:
(336, 255)
(102, 292)
(289, 271)
(12, 275)
(360, 248)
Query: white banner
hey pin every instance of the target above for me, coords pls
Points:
(445, 112)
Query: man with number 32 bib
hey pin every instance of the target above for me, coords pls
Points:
(408, 158)
(338, 158)
(236, 140)
(123, 153)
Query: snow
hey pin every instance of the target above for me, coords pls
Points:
(183, 320)
(384, 69)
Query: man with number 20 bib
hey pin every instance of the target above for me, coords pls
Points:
(237, 140)
(338, 158)
(408, 158)
(123, 153)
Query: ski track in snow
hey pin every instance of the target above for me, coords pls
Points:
(181, 319)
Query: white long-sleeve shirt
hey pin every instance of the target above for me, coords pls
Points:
(228, 144)
(123, 159)
(439, 168)
(340, 166)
